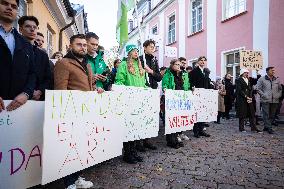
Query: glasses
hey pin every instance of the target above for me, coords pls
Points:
(31, 27)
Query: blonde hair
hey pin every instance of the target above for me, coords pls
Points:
(130, 65)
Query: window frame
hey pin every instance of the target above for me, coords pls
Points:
(168, 27)
(237, 11)
(25, 11)
(190, 19)
(49, 38)
(155, 26)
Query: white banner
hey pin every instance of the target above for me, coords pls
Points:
(81, 129)
(180, 114)
(140, 111)
(21, 146)
(206, 104)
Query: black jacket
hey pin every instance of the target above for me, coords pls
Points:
(198, 79)
(243, 108)
(17, 73)
(43, 71)
(153, 79)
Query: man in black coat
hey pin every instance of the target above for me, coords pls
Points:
(17, 77)
(244, 105)
(28, 27)
(199, 79)
(153, 76)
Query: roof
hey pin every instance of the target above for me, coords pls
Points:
(70, 11)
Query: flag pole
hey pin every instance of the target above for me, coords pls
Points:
(140, 34)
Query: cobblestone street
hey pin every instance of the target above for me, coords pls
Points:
(228, 159)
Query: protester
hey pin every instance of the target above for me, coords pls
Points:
(181, 135)
(221, 103)
(28, 27)
(198, 79)
(270, 90)
(112, 75)
(95, 58)
(17, 82)
(229, 97)
(153, 76)
(73, 73)
(57, 55)
(244, 106)
(39, 41)
(188, 69)
(131, 73)
(175, 79)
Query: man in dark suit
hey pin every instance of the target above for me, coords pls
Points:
(153, 76)
(28, 27)
(17, 75)
(199, 79)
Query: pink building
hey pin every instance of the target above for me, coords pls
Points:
(217, 29)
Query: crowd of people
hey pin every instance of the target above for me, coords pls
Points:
(26, 72)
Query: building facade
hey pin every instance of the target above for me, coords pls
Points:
(217, 29)
(53, 15)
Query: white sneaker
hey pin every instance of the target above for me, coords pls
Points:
(183, 137)
(81, 183)
(179, 139)
(73, 186)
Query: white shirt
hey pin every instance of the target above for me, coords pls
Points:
(246, 80)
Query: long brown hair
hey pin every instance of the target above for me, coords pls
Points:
(130, 65)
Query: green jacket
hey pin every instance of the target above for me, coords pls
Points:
(124, 77)
(98, 66)
(168, 81)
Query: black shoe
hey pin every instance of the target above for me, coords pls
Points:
(196, 135)
(204, 134)
(181, 144)
(270, 131)
(206, 125)
(138, 158)
(140, 148)
(265, 129)
(256, 130)
(274, 123)
(150, 146)
(129, 159)
(176, 146)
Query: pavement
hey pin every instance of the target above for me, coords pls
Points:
(229, 159)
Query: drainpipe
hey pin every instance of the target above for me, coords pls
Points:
(64, 28)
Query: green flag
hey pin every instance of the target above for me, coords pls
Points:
(122, 22)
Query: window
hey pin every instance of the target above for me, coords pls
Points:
(172, 29)
(49, 42)
(22, 11)
(233, 7)
(155, 30)
(233, 64)
(196, 15)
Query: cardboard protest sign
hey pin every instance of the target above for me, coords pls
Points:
(81, 129)
(251, 60)
(21, 146)
(140, 109)
(179, 111)
(206, 104)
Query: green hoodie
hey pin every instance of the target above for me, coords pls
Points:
(124, 77)
(168, 81)
(98, 66)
